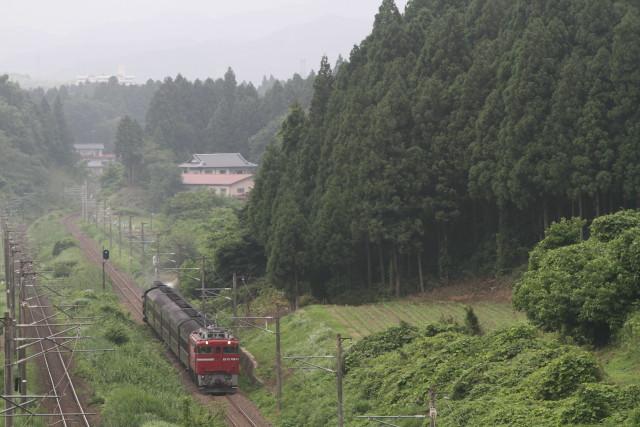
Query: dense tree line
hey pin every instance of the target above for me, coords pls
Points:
(34, 138)
(93, 110)
(221, 115)
(454, 134)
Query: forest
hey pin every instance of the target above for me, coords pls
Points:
(451, 138)
(35, 141)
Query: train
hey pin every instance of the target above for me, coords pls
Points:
(209, 352)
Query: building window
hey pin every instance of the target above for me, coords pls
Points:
(241, 190)
(223, 171)
(209, 171)
(223, 191)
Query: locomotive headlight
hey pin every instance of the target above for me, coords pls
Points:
(228, 342)
(206, 342)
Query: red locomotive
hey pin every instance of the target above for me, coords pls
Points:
(209, 352)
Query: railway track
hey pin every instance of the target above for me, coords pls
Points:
(238, 412)
(65, 406)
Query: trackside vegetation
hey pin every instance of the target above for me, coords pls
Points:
(135, 385)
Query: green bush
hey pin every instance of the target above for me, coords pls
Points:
(61, 245)
(117, 334)
(584, 290)
(562, 376)
(608, 227)
(377, 344)
(471, 322)
(63, 268)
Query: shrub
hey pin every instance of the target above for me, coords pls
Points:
(117, 334)
(471, 322)
(563, 375)
(584, 290)
(377, 344)
(63, 268)
(559, 234)
(608, 227)
(61, 245)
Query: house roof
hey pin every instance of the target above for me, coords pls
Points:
(88, 146)
(218, 160)
(213, 179)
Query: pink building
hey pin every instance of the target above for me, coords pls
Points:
(229, 185)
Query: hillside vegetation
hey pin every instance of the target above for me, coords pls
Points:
(35, 143)
(451, 138)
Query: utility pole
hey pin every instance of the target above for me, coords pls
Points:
(235, 293)
(202, 306)
(156, 261)
(338, 372)
(8, 359)
(130, 241)
(120, 235)
(278, 362)
(339, 375)
(110, 230)
(104, 217)
(103, 275)
(142, 224)
(433, 413)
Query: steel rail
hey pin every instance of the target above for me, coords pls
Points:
(78, 403)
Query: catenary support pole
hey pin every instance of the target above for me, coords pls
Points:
(8, 359)
(278, 362)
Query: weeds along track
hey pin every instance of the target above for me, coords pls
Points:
(240, 412)
(47, 343)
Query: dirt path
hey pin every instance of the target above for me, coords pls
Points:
(240, 411)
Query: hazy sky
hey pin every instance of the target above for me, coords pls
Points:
(58, 40)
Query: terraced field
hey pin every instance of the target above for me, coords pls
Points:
(359, 321)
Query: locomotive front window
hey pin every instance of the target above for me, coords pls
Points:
(231, 350)
(204, 349)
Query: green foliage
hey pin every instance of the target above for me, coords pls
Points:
(471, 322)
(586, 289)
(608, 227)
(562, 233)
(113, 178)
(116, 334)
(129, 147)
(63, 268)
(221, 115)
(377, 344)
(61, 245)
(408, 152)
(561, 377)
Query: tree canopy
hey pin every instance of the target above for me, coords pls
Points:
(455, 133)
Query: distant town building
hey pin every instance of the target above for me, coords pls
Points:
(219, 163)
(123, 79)
(89, 150)
(94, 157)
(226, 174)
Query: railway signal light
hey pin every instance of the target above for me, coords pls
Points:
(105, 254)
